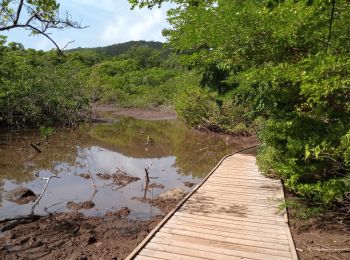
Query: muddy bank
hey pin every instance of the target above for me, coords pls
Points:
(324, 236)
(75, 236)
(139, 113)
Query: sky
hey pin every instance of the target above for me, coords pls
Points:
(109, 21)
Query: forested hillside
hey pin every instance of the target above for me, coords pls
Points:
(120, 48)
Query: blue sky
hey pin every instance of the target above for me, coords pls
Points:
(109, 21)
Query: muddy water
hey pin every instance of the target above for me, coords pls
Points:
(178, 155)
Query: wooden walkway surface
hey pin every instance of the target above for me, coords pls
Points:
(232, 214)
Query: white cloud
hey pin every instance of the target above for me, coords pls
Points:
(135, 25)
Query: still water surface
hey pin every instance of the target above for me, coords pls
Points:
(177, 154)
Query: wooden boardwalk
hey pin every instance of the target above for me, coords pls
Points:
(232, 214)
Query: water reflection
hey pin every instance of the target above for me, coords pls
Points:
(177, 154)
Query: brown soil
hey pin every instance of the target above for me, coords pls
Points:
(189, 184)
(74, 236)
(80, 205)
(148, 114)
(122, 179)
(155, 185)
(123, 212)
(326, 236)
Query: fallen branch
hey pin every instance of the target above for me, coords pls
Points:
(48, 179)
(36, 148)
(92, 181)
(331, 249)
(31, 217)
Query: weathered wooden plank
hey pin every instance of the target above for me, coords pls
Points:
(234, 201)
(232, 240)
(208, 246)
(230, 217)
(229, 195)
(201, 219)
(228, 244)
(142, 257)
(237, 210)
(228, 227)
(193, 252)
(181, 225)
(165, 255)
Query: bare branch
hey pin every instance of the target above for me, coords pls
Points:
(42, 192)
(19, 9)
(39, 21)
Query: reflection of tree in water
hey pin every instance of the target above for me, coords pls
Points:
(19, 162)
(196, 153)
(129, 136)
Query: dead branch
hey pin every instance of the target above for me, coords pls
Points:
(18, 218)
(145, 190)
(46, 208)
(48, 179)
(335, 250)
(36, 148)
(147, 172)
(92, 181)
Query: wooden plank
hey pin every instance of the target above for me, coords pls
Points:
(192, 252)
(165, 255)
(232, 240)
(229, 195)
(254, 227)
(228, 244)
(236, 230)
(211, 221)
(229, 219)
(236, 179)
(235, 201)
(208, 246)
(182, 225)
(234, 210)
(244, 189)
(142, 257)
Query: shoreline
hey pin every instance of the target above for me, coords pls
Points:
(101, 110)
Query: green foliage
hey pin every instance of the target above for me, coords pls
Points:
(46, 132)
(300, 209)
(197, 107)
(140, 77)
(307, 125)
(39, 88)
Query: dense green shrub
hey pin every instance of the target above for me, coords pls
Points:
(306, 133)
(198, 108)
(37, 88)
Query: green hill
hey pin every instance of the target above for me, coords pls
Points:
(120, 48)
